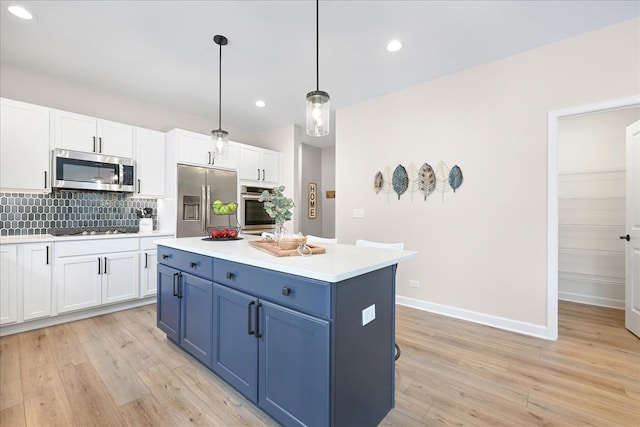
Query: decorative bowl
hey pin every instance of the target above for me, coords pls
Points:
(290, 242)
(223, 232)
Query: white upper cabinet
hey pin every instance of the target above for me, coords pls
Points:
(198, 149)
(149, 156)
(24, 146)
(91, 135)
(258, 165)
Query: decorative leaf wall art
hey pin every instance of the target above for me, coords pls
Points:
(378, 182)
(455, 177)
(425, 180)
(400, 180)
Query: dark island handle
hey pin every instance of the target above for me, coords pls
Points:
(286, 291)
(249, 331)
(166, 256)
(193, 264)
(230, 275)
(627, 237)
(175, 290)
(258, 334)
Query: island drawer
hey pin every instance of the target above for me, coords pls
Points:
(188, 262)
(298, 293)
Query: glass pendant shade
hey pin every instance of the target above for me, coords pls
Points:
(221, 140)
(318, 113)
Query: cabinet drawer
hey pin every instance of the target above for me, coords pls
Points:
(198, 265)
(305, 295)
(97, 246)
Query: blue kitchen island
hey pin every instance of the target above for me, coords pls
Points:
(309, 340)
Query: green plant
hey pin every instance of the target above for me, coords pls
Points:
(277, 205)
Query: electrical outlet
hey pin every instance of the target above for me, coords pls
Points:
(358, 213)
(368, 314)
(414, 284)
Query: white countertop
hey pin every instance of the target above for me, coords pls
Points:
(43, 238)
(340, 261)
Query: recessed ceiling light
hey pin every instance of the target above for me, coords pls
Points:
(260, 103)
(20, 12)
(394, 46)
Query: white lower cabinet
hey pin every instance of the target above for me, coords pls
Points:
(92, 273)
(8, 284)
(148, 267)
(36, 260)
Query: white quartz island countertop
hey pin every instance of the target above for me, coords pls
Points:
(340, 261)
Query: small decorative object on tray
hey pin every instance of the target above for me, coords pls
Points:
(270, 247)
(291, 241)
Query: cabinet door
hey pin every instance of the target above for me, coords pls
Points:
(235, 347)
(119, 277)
(148, 273)
(75, 132)
(270, 167)
(249, 167)
(196, 328)
(195, 149)
(150, 154)
(8, 284)
(115, 139)
(168, 305)
(293, 366)
(36, 263)
(78, 282)
(24, 137)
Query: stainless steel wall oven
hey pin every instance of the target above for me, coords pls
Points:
(253, 218)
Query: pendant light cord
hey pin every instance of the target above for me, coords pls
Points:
(220, 90)
(317, 45)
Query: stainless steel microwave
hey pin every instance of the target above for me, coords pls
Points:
(76, 170)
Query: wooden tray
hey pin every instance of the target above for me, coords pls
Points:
(271, 248)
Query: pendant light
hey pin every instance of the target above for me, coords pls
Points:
(317, 101)
(220, 136)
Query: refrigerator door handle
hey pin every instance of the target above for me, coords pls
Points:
(202, 209)
(208, 206)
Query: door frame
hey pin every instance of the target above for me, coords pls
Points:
(552, 196)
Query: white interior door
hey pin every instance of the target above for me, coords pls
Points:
(632, 281)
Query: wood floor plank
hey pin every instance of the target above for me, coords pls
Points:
(13, 416)
(45, 399)
(64, 345)
(231, 407)
(11, 390)
(145, 411)
(89, 398)
(181, 405)
(121, 381)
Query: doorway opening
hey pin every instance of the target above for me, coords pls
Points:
(553, 197)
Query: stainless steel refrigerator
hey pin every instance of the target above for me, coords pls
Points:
(198, 187)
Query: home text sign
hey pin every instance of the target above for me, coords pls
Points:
(312, 200)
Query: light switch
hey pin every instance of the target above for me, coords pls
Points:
(368, 314)
(358, 213)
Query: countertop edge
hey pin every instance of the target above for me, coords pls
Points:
(302, 266)
(46, 238)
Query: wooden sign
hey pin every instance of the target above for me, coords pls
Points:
(312, 200)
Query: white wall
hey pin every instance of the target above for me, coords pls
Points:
(591, 164)
(328, 183)
(483, 250)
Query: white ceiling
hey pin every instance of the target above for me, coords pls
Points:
(162, 52)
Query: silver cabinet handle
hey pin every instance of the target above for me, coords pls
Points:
(203, 198)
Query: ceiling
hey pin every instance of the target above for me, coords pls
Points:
(162, 52)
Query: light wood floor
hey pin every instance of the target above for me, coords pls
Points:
(119, 369)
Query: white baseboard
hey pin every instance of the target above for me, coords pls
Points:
(524, 328)
(70, 317)
(591, 300)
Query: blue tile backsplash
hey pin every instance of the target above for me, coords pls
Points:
(25, 213)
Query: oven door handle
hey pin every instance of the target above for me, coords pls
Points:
(208, 206)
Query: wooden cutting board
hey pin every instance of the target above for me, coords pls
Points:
(271, 248)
